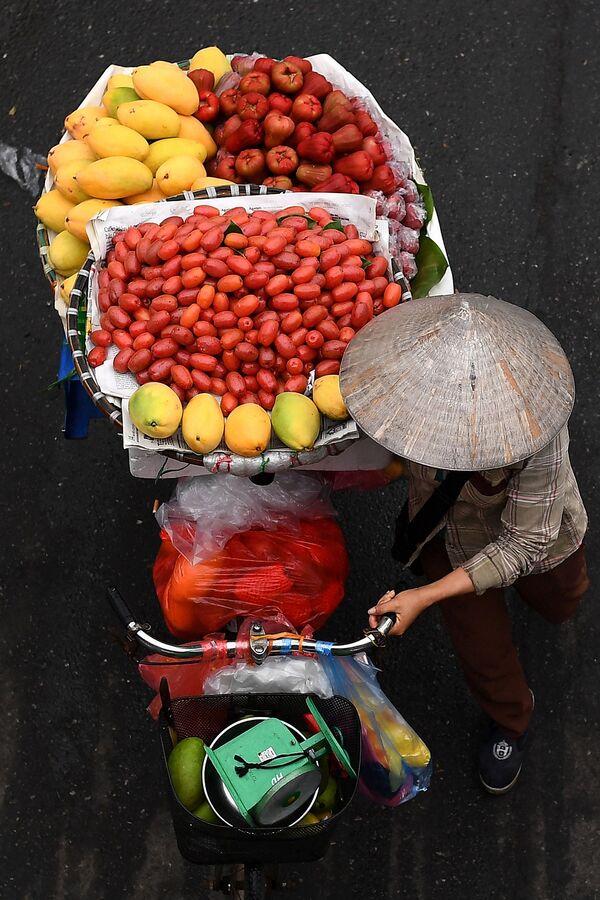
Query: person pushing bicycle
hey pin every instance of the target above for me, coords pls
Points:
(474, 395)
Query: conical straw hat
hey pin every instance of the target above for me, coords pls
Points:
(461, 382)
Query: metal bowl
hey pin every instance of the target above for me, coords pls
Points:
(219, 798)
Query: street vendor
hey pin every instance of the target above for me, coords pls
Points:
(474, 394)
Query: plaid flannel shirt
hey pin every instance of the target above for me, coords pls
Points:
(509, 522)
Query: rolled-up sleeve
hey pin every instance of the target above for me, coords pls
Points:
(531, 520)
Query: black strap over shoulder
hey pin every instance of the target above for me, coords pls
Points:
(410, 534)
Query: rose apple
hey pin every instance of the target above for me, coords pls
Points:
(312, 174)
(365, 123)
(232, 124)
(226, 169)
(414, 216)
(338, 184)
(252, 106)
(228, 101)
(317, 148)
(279, 181)
(317, 85)
(278, 128)
(249, 134)
(280, 103)
(203, 79)
(255, 82)
(382, 179)
(282, 160)
(337, 111)
(264, 64)
(358, 166)
(306, 108)
(287, 77)
(208, 106)
(347, 138)
(375, 149)
(304, 65)
(250, 165)
(302, 131)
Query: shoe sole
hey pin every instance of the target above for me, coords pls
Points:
(502, 790)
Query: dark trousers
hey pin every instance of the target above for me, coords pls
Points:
(480, 630)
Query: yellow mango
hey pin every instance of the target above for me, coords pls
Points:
(151, 119)
(52, 208)
(192, 129)
(107, 122)
(151, 196)
(118, 141)
(208, 181)
(67, 254)
(213, 59)
(328, 398)
(67, 152)
(178, 174)
(67, 286)
(296, 420)
(80, 122)
(155, 410)
(115, 177)
(248, 430)
(66, 180)
(203, 424)
(116, 96)
(78, 217)
(161, 151)
(167, 84)
(116, 81)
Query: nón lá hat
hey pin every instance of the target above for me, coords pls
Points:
(460, 382)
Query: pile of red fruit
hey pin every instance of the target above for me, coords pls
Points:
(244, 306)
(281, 123)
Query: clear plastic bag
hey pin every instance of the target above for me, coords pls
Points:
(215, 509)
(276, 675)
(395, 764)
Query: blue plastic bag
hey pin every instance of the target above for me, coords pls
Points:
(395, 764)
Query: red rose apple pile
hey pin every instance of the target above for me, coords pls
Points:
(244, 306)
(280, 123)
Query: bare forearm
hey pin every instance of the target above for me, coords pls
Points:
(451, 585)
(410, 604)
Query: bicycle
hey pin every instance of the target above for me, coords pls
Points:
(244, 862)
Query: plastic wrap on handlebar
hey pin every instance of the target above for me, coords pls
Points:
(119, 606)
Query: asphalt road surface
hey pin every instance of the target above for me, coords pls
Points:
(502, 102)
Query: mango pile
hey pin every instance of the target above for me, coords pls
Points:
(141, 145)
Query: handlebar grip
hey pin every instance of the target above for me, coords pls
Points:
(387, 622)
(119, 606)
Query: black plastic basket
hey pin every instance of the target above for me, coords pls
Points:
(205, 717)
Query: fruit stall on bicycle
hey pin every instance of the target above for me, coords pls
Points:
(218, 234)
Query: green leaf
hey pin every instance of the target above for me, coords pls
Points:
(311, 222)
(62, 380)
(233, 228)
(431, 266)
(364, 262)
(336, 225)
(425, 192)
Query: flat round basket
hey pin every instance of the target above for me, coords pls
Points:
(219, 461)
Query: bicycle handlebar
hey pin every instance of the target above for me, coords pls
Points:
(259, 644)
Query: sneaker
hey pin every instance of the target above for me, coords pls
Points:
(500, 760)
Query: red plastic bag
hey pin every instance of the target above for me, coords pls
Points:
(299, 572)
(234, 548)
